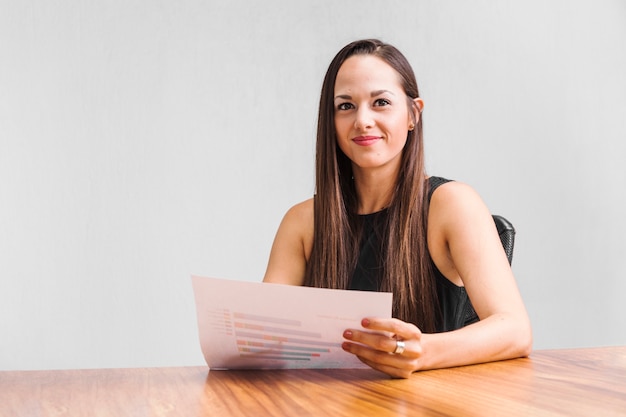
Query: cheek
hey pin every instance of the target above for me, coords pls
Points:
(402, 128)
(341, 125)
(342, 130)
(342, 143)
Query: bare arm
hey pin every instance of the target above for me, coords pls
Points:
(465, 247)
(292, 246)
(474, 249)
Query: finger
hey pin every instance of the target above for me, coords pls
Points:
(393, 365)
(408, 359)
(371, 355)
(377, 341)
(401, 329)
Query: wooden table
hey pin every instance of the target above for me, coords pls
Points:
(571, 382)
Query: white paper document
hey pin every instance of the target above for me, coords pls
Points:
(254, 325)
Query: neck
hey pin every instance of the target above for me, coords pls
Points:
(374, 190)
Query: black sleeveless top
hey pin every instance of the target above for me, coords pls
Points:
(456, 310)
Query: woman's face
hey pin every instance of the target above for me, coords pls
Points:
(372, 113)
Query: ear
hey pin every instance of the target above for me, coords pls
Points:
(417, 106)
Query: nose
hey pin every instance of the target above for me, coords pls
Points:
(363, 119)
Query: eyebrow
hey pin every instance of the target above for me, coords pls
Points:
(372, 94)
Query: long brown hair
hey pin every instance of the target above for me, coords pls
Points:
(407, 271)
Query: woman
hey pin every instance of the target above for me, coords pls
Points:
(378, 222)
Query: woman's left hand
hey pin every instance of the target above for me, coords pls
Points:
(376, 346)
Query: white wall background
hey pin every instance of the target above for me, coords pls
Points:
(143, 141)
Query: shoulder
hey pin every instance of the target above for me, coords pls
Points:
(457, 211)
(461, 232)
(292, 246)
(297, 225)
(300, 213)
(451, 196)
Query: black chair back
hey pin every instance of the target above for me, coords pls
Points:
(507, 235)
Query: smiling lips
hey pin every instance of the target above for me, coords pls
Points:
(366, 140)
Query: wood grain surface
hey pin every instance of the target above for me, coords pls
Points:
(569, 382)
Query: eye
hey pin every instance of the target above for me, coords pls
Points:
(381, 102)
(345, 106)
